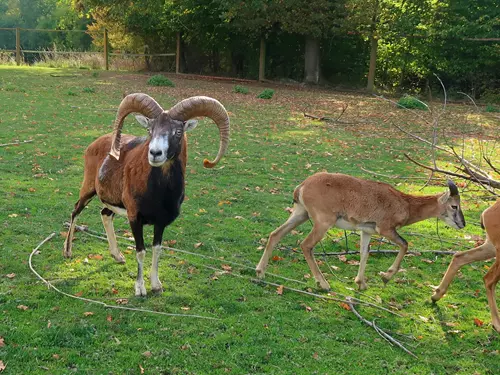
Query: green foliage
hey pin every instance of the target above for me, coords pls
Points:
(410, 102)
(266, 94)
(88, 90)
(95, 74)
(71, 92)
(492, 108)
(160, 80)
(240, 89)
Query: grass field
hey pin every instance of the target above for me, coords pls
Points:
(228, 214)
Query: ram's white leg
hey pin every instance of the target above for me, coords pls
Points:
(107, 221)
(140, 289)
(364, 252)
(155, 281)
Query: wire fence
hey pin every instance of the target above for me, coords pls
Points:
(75, 48)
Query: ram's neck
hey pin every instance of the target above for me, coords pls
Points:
(421, 207)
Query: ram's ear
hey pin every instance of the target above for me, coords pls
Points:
(190, 125)
(444, 198)
(143, 120)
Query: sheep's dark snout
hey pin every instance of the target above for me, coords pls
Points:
(155, 152)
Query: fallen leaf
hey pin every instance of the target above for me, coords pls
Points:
(226, 267)
(279, 290)
(147, 354)
(345, 306)
(197, 245)
(88, 313)
(32, 190)
(315, 356)
(49, 324)
(2, 341)
(55, 356)
(109, 318)
(10, 275)
(95, 256)
(451, 324)
(121, 301)
(185, 308)
(78, 294)
(114, 291)
(13, 215)
(141, 368)
(427, 261)
(277, 258)
(239, 217)
(478, 322)
(423, 318)
(22, 307)
(63, 234)
(2, 366)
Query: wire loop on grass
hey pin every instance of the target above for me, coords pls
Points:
(49, 285)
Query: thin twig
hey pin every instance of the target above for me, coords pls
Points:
(378, 329)
(438, 252)
(49, 285)
(16, 143)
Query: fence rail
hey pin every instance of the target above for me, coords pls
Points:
(106, 51)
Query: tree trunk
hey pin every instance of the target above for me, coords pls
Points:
(373, 49)
(311, 61)
(262, 60)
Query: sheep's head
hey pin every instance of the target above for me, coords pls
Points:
(166, 136)
(451, 211)
(166, 128)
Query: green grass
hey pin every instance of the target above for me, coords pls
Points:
(231, 210)
(266, 94)
(239, 89)
(492, 108)
(160, 80)
(410, 102)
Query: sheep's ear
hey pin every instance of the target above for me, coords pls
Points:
(190, 125)
(143, 120)
(444, 198)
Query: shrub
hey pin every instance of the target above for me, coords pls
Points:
(266, 94)
(492, 108)
(160, 80)
(72, 93)
(95, 74)
(411, 102)
(88, 90)
(240, 89)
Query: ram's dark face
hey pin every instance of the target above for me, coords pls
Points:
(166, 136)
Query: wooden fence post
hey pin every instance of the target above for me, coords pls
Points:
(18, 46)
(262, 60)
(106, 52)
(178, 55)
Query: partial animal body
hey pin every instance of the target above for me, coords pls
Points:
(490, 220)
(143, 177)
(338, 200)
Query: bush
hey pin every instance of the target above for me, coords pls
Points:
(72, 93)
(411, 102)
(95, 74)
(160, 80)
(492, 108)
(240, 89)
(89, 90)
(266, 94)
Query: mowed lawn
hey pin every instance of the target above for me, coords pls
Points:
(228, 214)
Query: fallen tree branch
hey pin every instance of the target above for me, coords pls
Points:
(489, 182)
(377, 329)
(16, 143)
(437, 252)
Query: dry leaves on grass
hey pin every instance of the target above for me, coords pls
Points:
(141, 368)
(478, 322)
(121, 301)
(2, 342)
(226, 267)
(198, 245)
(147, 354)
(88, 313)
(10, 275)
(279, 290)
(2, 366)
(345, 306)
(22, 307)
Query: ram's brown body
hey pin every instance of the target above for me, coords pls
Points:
(490, 220)
(120, 181)
(338, 200)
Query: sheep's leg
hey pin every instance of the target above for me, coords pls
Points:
(364, 249)
(79, 206)
(155, 281)
(316, 234)
(298, 216)
(490, 281)
(137, 230)
(107, 220)
(393, 236)
(461, 258)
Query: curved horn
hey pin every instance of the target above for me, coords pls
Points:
(453, 188)
(140, 103)
(209, 107)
